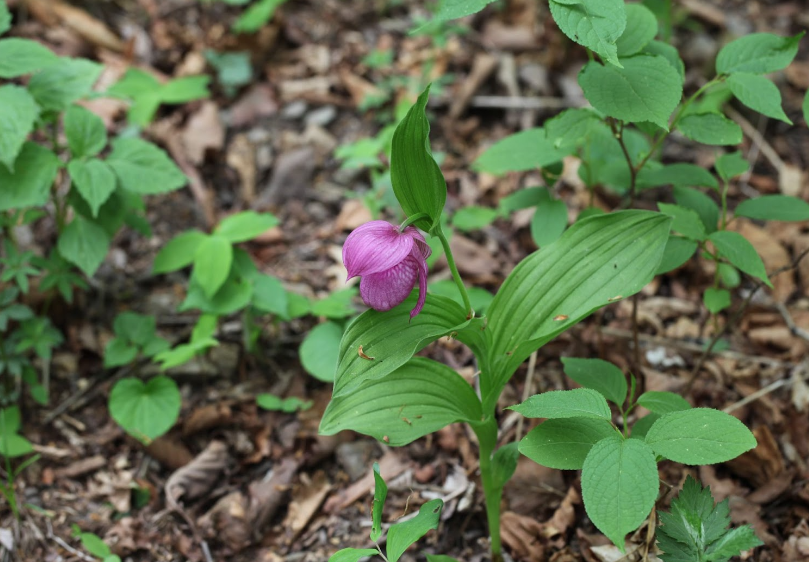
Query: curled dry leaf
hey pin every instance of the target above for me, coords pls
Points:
(266, 496)
(306, 501)
(208, 417)
(198, 476)
(92, 30)
(522, 535)
(227, 522)
(203, 133)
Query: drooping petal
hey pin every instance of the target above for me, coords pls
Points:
(374, 247)
(385, 289)
(421, 243)
(421, 262)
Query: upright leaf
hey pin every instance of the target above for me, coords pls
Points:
(18, 113)
(759, 53)
(380, 495)
(418, 398)
(619, 484)
(320, 350)
(5, 18)
(212, 262)
(417, 180)
(402, 535)
(84, 244)
(94, 180)
(759, 94)
(599, 375)
(85, 132)
(595, 24)
(647, 88)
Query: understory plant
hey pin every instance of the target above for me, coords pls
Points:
(634, 83)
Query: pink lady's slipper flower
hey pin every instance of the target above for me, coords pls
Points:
(389, 263)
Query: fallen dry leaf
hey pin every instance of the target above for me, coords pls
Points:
(198, 476)
(307, 498)
(203, 133)
(523, 536)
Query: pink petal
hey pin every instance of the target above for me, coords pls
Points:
(422, 267)
(386, 289)
(374, 247)
(421, 243)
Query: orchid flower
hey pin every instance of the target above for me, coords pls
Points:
(389, 261)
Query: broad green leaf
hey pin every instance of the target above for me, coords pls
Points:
(24, 56)
(549, 222)
(84, 243)
(59, 85)
(660, 402)
(270, 296)
(479, 298)
(134, 83)
(392, 338)
(418, 398)
(716, 300)
(605, 163)
(741, 253)
(700, 203)
(504, 463)
(145, 410)
(473, 217)
(619, 484)
(245, 226)
(759, 53)
(179, 252)
(18, 113)
(699, 436)
(526, 150)
(352, 554)
(185, 89)
(686, 221)
(402, 535)
(641, 28)
(670, 53)
(556, 404)
(5, 18)
(774, 208)
(119, 352)
(596, 261)
(143, 168)
(759, 94)
(641, 427)
(523, 199)
(569, 129)
(563, 444)
(94, 545)
(729, 275)
(11, 419)
(336, 305)
(680, 175)
(595, 24)
(14, 445)
(212, 262)
(134, 327)
(320, 350)
(731, 165)
(94, 180)
(85, 132)
(380, 495)
(647, 88)
(710, 128)
(256, 16)
(598, 375)
(454, 9)
(417, 180)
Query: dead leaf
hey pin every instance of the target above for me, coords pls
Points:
(256, 103)
(77, 20)
(241, 157)
(227, 522)
(353, 214)
(198, 476)
(208, 417)
(763, 463)
(564, 516)
(203, 133)
(82, 467)
(359, 88)
(390, 466)
(523, 536)
(772, 253)
(266, 496)
(170, 452)
(482, 67)
(307, 498)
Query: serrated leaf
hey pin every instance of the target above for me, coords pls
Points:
(526, 150)
(774, 208)
(619, 484)
(670, 53)
(733, 543)
(85, 244)
(143, 168)
(563, 444)
(18, 113)
(570, 128)
(598, 375)
(716, 300)
(759, 53)
(595, 24)
(24, 56)
(647, 88)
(179, 252)
(660, 402)
(212, 262)
(710, 128)
(145, 410)
(416, 399)
(641, 28)
(417, 181)
(380, 495)
(759, 94)
(245, 226)
(402, 535)
(94, 180)
(59, 85)
(576, 403)
(741, 253)
(699, 436)
(686, 221)
(320, 350)
(700, 203)
(85, 132)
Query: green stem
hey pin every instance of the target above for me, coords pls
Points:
(411, 219)
(455, 275)
(492, 490)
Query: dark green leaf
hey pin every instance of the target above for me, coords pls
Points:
(320, 350)
(641, 27)
(564, 443)
(85, 132)
(686, 221)
(680, 175)
(59, 85)
(596, 24)
(380, 495)
(18, 113)
(598, 375)
(84, 244)
(759, 94)
(94, 180)
(556, 404)
(697, 201)
(24, 56)
(759, 53)
(143, 168)
(402, 535)
(30, 185)
(740, 253)
(774, 208)
(711, 128)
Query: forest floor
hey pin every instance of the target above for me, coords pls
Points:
(264, 486)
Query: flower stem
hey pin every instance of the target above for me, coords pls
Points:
(492, 490)
(455, 275)
(411, 219)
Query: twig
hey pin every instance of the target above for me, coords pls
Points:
(526, 391)
(772, 387)
(508, 102)
(757, 138)
(794, 329)
(58, 540)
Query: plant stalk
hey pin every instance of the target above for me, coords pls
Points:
(492, 490)
(455, 275)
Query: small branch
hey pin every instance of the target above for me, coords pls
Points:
(772, 387)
